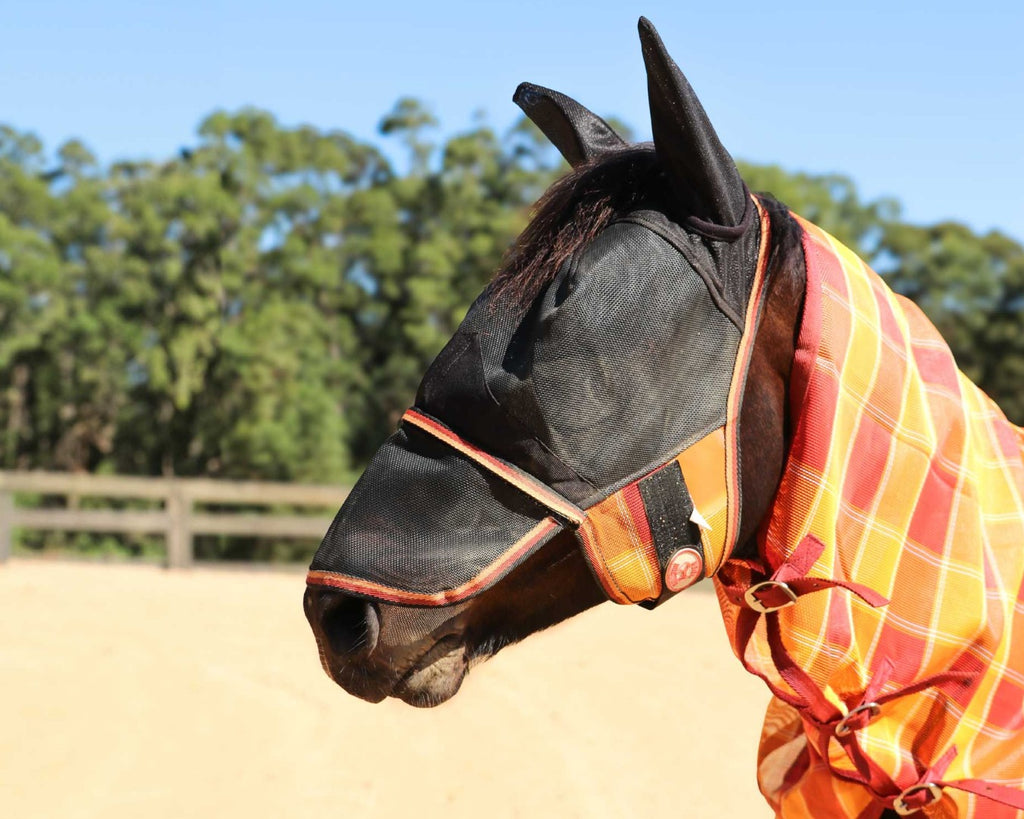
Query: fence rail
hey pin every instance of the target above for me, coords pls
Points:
(178, 521)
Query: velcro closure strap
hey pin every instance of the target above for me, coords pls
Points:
(669, 512)
(635, 537)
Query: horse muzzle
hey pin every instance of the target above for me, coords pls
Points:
(375, 651)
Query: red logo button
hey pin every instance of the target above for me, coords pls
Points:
(684, 569)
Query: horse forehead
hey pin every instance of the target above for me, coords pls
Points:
(637, 261)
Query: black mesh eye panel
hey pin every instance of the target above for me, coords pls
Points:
(631, 359)
(480, 386)
(423, 518)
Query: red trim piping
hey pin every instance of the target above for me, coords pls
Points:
(491, 574)
(736, 389)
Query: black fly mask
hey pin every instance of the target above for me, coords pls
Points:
(607, 404)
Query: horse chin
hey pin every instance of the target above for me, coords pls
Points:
(435, 679)
(436, 676)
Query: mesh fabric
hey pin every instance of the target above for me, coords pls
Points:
(623, 362)
(418, 491)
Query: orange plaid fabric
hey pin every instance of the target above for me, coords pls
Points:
(618, 542)
(891, 626)
(616, 533)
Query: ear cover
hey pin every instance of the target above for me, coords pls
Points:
(579, 134)
(705, 177)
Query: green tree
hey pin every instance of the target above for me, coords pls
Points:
(425, 243)
(972, 288)
(263, 304)
(830, 201)
(59, 380)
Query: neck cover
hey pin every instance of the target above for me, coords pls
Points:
(608, 407)
(904, 482)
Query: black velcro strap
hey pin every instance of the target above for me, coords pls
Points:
(669, 506)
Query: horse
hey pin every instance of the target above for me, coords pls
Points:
(671, 379)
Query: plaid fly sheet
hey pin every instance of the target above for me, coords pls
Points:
(886, 610)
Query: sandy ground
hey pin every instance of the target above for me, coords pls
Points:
(131, 691)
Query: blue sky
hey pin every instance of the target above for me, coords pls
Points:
(923, 101)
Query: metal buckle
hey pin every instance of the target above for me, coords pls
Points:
(843, 726)
(751, 599)
(903, 809)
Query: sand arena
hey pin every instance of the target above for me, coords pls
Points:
(132, 691)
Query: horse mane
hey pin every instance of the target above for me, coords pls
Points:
(577, 207)
(572, 212)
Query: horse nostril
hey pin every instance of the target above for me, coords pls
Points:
(350, 626)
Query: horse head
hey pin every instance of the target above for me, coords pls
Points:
(579, 438)
(671, 379)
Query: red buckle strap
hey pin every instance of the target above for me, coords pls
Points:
(857, 718)
(870, 705)
(1003, 794)
(767, 595)
(928, 789)
(764, 596)
(844, 728)
(917, 797)
(790, 581)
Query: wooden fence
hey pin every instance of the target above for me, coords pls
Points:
(178, 520)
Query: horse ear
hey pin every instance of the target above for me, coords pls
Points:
(704, 174)
(580, 135)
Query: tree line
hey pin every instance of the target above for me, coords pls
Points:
(262, 304)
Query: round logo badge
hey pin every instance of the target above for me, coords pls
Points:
(684, 569)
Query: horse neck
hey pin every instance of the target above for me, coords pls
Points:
(765, 431)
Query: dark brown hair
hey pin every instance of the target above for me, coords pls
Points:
(572, 212)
